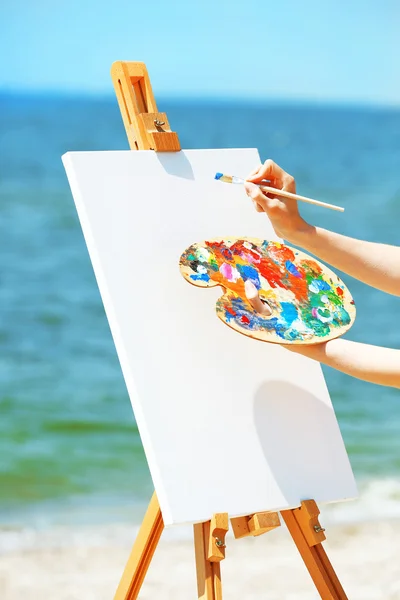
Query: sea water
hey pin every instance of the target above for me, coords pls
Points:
(70, 451)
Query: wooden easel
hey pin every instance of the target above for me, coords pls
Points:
(147, 129)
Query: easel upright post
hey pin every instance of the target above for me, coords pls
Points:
(209, 544)
(146, 129)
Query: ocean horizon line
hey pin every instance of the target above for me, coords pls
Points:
(206, 100)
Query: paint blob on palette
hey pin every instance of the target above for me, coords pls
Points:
(309, 303)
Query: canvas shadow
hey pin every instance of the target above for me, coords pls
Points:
(291, 424)
(176, 163)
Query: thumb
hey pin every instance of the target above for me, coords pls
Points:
(255, 300)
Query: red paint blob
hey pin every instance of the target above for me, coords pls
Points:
(280, 253)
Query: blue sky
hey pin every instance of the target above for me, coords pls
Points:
(321, 50)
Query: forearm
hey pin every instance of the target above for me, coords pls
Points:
(377, 265)
(369, 363)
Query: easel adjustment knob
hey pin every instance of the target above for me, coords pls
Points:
(219, 527)
(307, 518)
(318, 528)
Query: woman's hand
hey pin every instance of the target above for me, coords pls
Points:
(283, 213)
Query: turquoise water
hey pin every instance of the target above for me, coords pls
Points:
(68, 440)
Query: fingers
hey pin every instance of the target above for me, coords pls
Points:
(254, 173)
(255, 300)
(254, 192)
(269, 170)
(275, 174)
(259, 199)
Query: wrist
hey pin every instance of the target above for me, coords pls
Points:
(302, 236)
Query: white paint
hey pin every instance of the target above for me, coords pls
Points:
(230, 273)
(228, 424)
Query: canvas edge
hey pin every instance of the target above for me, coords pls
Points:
(321, 503)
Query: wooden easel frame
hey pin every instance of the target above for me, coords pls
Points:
(148, 129)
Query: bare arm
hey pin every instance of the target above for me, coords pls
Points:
(369, 363)
(377, 265)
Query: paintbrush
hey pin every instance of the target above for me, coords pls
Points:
(276, 192)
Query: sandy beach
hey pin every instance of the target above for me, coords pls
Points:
(86, 563)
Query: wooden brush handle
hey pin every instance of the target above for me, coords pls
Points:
(284, 194)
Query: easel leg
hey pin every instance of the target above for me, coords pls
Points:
(314, 556)
(209, 586)
(142, 552)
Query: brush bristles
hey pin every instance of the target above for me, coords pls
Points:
(224, 178)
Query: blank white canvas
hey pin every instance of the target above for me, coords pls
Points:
(228, 424)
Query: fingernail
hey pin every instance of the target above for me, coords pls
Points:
(250, 289)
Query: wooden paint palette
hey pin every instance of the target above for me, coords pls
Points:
(309, 303)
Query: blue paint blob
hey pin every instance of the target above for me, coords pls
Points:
(228, 316)
(218, 175)
(248, 272)
(319, 285)
(341, 316)
(292, 269)
(200, 277)
(289, 313)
